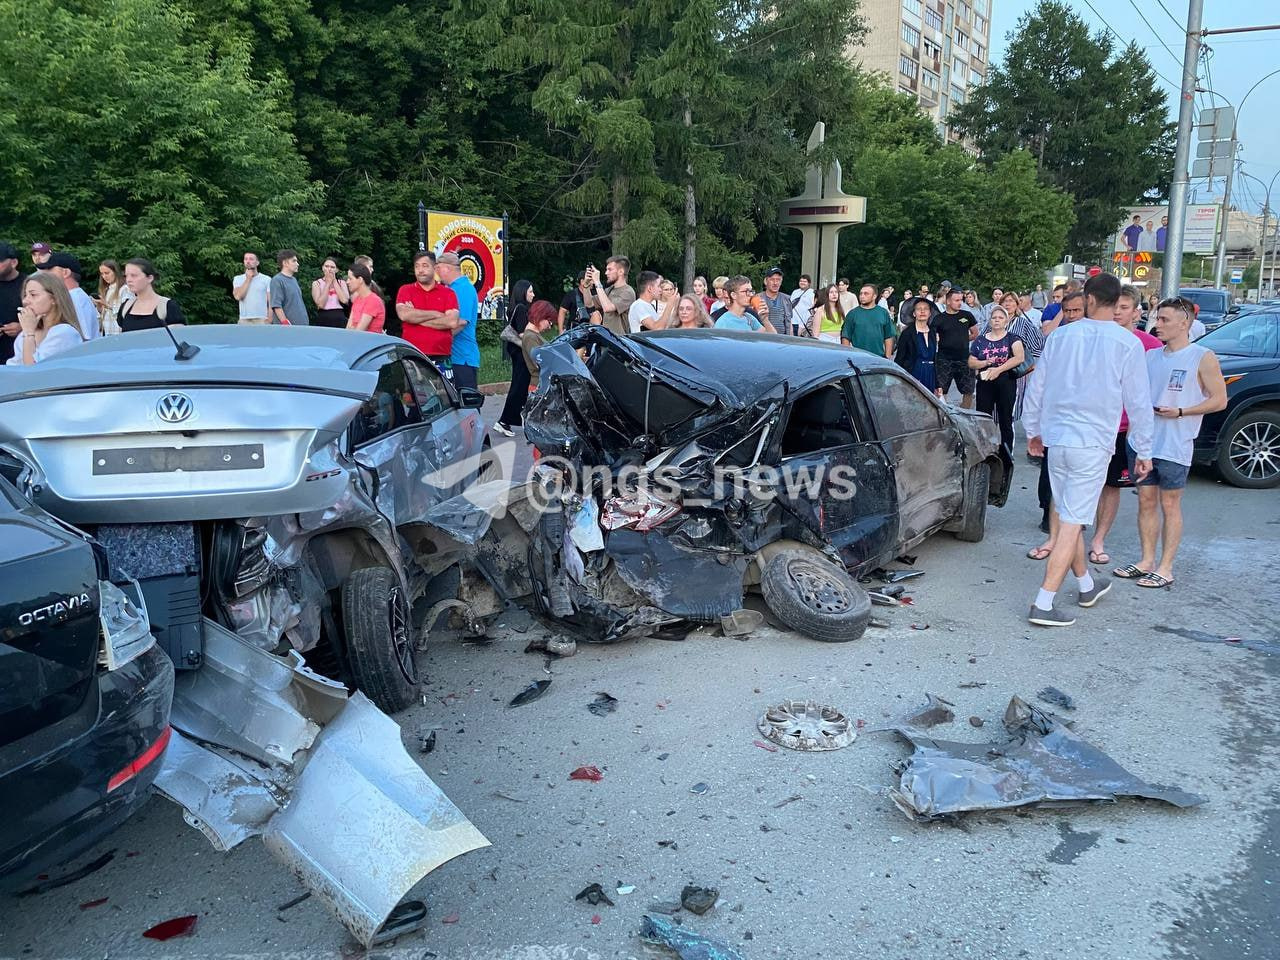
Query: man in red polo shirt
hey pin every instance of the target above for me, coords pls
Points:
(428, 311)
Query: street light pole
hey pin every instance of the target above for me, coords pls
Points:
(1171, 275)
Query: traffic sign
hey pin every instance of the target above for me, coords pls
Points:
(1237, 276)
(1216, 124)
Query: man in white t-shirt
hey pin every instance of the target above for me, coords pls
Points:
(1186, 383)
(250, 289)
(643, 315)
(802, 302)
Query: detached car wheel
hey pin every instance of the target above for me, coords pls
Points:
(380, 647)
(977, 489)
(813, 596)
(1249, 452)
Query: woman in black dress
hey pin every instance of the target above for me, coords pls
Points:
(147, 310)
(518, 393)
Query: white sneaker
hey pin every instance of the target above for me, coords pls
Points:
(503, 429)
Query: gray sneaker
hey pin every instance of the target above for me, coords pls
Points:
(1049, 618)
(1101, 585)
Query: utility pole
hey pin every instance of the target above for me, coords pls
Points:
(1220, 263)
(1171, 275)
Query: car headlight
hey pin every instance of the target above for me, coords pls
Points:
(126, 629)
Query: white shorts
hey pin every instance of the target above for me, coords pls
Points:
(1076, 476)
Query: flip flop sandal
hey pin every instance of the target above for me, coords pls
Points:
(1099, 558)
(1039, 553)
(1153, 581)
(1130, 571)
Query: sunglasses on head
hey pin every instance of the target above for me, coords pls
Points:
(1178, 303)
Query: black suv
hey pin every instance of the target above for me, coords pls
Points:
(84, 694)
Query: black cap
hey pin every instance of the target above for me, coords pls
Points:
(773, 272)
(8, 251)
(60, 259)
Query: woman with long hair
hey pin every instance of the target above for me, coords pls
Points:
(147, 310)
(48, 321)
(111, 294)
(828, 319)
(330, 294)
(690, 314)
(368, 312)
(700, 291)
(521, 298)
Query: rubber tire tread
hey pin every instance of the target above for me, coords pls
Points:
(370, 647)
(776, 587)
(976, 491)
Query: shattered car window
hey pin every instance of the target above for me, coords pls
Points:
(391, 406)
(819, 420)
(428, 389)
(898, 407)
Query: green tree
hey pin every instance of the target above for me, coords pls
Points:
(1090, 114)
(123, 134)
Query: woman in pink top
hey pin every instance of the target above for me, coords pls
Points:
(330, 295)
(367, 309)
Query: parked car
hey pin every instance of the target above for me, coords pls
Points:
(684, 467)
(84, 698)
(1242, 442)
(1215, 305)
(271, 483)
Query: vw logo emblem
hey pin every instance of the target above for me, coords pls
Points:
(174, 407)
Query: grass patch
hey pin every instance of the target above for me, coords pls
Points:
(494, 365)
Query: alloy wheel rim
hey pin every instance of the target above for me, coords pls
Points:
(401, 641)
(1255, 451)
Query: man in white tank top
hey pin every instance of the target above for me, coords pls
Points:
(1186, 383)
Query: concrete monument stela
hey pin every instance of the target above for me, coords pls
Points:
(820, 213)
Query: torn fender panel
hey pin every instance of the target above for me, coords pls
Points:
(1042, 761)
(364, 823)
(697, 585)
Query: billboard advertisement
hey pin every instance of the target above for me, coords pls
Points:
(479, 242)
(1145, 228)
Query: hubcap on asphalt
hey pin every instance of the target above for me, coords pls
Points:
(818, 586)
(400, 638)
(1255, 451)
(806, 725)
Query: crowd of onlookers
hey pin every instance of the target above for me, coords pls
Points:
(48, 310)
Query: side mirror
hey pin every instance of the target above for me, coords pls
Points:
(470, 398)
(1234, 308)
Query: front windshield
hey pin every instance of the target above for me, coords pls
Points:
(1214, 301)
(1252, 335)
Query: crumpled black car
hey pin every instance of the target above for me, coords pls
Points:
(680, 469)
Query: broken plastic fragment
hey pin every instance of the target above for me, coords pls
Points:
(594, 895)
(603, 704)
(1055, 696)
(765, 746)
(700, 789)
(530, 693)
(89, 905)
(687, 944)
(407, 917)
(697, 899)
(171, 929)
(591, 773)
(624, 889)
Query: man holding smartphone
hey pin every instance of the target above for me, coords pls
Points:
(613, 301)
(250, 291)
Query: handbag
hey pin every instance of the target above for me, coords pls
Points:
(510, 336)
(1022, 369)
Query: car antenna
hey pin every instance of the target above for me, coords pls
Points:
(185, 351)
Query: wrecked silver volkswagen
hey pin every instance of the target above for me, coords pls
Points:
(682, 468)
(266, 487)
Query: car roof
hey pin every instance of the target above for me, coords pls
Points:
(273, 356)
(752, 364)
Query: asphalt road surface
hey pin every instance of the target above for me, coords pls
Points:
(839, 871)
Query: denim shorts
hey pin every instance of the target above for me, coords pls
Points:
(1166, 474)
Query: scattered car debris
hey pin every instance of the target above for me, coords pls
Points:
(450, 918)
(896, 576)
(172, 929)
(1042, 761)
(591, 773)
(740, 623)
(1055, 696)
(625, 889)
(536, 645)
(530, 693)
(697, 899)
(93, 866)
(594, 895)
(687, 944)
(806, 725)
(895, 591)
(669, 907)
(290, 904)
(765, 746)
(882, 599)
(408, 916)
(976, 721)
(920, 626)
(934, 711)
(972, 685)
(791, 799)
(878, 623)
(90, 904)
(508, 796)
(700, 789)
(428, 743)
(603, 704)
(1259, 646)
(669, 844)
(562, 646)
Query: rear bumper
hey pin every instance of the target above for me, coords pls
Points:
(54, 783)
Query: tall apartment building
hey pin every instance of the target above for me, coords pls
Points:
(935, 50)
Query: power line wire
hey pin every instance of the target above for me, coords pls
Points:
(1176, 86)
(1138, 10)
(1182, 27)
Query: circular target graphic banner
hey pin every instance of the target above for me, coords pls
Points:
(478, 242)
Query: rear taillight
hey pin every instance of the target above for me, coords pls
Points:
(141, 761)
(126, 629)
